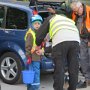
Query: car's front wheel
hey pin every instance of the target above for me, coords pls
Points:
(10, 68)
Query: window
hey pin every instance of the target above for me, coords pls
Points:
(16, 19)
(1, 16)
(44, 14)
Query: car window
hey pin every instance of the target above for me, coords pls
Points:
(16, 19)
(44, 14)
(1, 16)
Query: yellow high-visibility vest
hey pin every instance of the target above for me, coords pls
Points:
(59, 22)
(34, 39)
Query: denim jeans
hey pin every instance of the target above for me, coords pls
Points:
(35, 66)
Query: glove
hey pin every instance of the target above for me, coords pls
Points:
(29, 60)
(42, 44)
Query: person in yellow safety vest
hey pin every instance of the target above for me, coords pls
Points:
(80, 13)
(65, 46)
(33, 56)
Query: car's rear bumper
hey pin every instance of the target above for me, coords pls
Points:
(47, 64)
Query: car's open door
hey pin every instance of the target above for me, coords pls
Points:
(41, 5)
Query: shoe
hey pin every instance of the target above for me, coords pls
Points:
(81, 84)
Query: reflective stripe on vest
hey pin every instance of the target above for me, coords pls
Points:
(59, 22)
(87, 21)
(34, 39)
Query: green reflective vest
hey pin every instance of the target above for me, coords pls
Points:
(59, 22)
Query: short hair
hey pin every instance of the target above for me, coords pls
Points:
(75, 4)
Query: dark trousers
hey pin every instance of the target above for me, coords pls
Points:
(68, 50)
(84, 59)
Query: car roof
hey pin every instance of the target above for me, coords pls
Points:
(15, 5)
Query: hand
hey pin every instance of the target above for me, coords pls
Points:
(37, 48)
(40, 52)
(51, 10)
(43, 44)
(29, 60)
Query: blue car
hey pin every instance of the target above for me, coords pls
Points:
(14, 22)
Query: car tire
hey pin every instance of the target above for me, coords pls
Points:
(10, 68)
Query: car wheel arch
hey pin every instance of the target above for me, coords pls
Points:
(18, 66)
